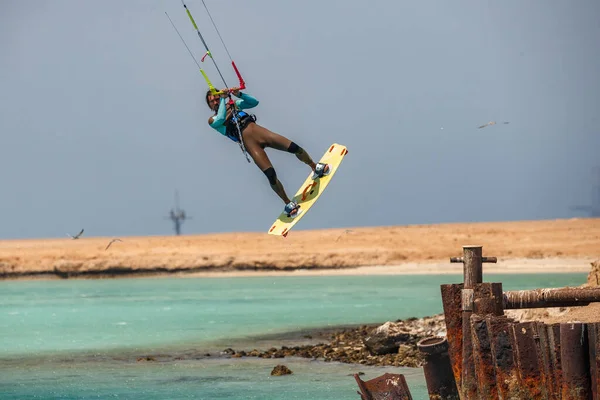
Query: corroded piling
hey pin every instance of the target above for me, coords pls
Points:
(468, 379)
(543, 351)
(541, 298)
(482, 359)
(487, 300)
(594, 344)
(494, 357)
(501, 345)
(384, 387)
(553, 335)
(575, 363)
(530, 367)
(451, 302)
(472, 274)
(439, 377)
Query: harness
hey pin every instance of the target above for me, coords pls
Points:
(235, 125)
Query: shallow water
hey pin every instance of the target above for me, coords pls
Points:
(81, 338)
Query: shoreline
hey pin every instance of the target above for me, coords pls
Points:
(509, 266)
(567, 245)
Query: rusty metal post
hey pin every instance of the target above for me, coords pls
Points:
(482, 359)
(472, 259)
(553, 335)
(574, 354)
(529, 366)
(473, 274)
(472, 271)
(451, 301)
(501, 344)
(468, 379)
(542, 298)
(594, 343)
(439, 377)
(384, 387)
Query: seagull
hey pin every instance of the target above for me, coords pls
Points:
(111, 242)
(76, 236)
(491, 123)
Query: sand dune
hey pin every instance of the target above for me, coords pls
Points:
(396, 248)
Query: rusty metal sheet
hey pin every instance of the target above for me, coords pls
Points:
(482, 359)
(501, 346)
(546, 349)
(553, 334)
(530, 369)
(451, 301)
(594, 344)
(384, 387)
(574, 354)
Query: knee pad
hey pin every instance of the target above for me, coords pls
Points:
(294, 148)
(271, 175)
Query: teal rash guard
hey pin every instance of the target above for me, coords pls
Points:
(219, 123)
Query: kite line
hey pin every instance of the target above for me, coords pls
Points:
(213, 90)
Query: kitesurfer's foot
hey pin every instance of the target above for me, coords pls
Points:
(292, 209)
(321, 170)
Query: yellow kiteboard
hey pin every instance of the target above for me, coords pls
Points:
(310, 190)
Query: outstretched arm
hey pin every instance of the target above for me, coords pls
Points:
(245, 100)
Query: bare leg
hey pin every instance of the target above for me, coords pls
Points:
(278, 188)
(303, 156)
(262, 161)
(278, 142)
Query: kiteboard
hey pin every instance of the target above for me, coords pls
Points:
(310, 190)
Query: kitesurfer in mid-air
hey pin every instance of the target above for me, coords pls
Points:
(231, 122)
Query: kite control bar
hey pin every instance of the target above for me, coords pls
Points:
(217, 92)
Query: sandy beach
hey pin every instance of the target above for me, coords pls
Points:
(522, 246)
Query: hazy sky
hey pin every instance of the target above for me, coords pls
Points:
(102, 113)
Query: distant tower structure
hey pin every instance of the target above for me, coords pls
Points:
(593, 210)
(177, 215)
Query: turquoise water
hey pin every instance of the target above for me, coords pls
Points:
(73, 339)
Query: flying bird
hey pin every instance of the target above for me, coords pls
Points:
(111, 242)
(491, 123)
(76, 236)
